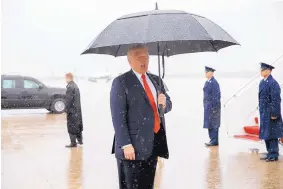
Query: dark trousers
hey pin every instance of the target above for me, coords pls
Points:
(74, 137)
(213, 135)
(272, 148)
(139, 174)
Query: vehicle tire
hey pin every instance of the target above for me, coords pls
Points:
(58, 106)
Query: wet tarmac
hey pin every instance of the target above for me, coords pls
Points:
(34, 156)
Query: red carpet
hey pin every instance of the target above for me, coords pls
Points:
(252, 132)
(248, 137)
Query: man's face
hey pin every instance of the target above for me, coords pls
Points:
(265, 73)
(208, 75)
(139, 59)
(67, 79)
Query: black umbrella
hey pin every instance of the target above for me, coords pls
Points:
(164, 32)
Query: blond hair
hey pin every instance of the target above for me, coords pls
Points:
(69, 75)
(135, 47)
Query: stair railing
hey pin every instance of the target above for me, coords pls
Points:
(246, 85)
(241, 108)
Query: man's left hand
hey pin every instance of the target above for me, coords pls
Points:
(273, 118)
(162, 100)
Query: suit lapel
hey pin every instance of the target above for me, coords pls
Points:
(156, 86)
(139, 85)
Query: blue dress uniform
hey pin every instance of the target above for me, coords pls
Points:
(270, 106)
(212, 108)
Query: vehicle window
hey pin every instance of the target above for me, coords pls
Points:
(28, 84)
(8, 84)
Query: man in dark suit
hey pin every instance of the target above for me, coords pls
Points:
(212, 106)
(271, 125)
(74, 112)
(140, 135)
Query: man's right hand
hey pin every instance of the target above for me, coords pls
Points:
(129, 152)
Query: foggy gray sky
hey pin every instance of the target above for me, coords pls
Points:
(42, 37)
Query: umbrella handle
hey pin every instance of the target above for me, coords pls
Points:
(163, 66)
(160, 107)
(161, 110)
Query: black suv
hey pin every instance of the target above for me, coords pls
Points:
(27, 92)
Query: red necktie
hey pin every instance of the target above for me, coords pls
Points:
(152, 103)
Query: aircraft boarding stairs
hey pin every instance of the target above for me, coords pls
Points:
(241, 116)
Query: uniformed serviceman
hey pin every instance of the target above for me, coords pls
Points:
(212, 106)
(271, 126)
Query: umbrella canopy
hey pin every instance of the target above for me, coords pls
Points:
(164, 32)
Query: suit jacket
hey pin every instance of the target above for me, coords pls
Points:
(132, 116)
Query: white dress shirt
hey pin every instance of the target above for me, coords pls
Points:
(152, 89)
(209, 79)
(150, 84)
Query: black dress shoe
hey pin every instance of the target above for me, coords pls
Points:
(80, 142)
(211, 144)
(270, 159)
(71, 146)
(263, 158)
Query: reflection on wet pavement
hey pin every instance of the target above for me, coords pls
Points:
(34, 157)
(158, 173)
(75, 172)
(213, 172)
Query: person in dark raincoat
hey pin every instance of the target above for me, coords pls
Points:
(271, 125)
(74, 113)
(212, 106)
